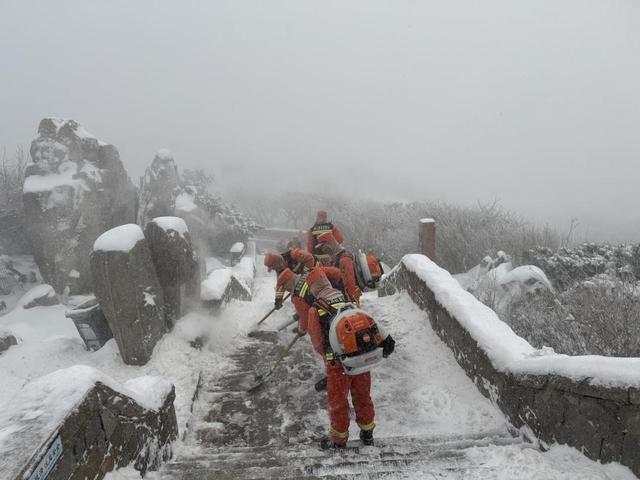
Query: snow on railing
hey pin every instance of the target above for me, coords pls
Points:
(509, 352)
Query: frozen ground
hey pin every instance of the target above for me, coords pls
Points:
(420, 392)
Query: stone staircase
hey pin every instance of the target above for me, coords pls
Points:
(273, 432)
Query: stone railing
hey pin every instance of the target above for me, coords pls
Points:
(62, 431)
(589, 402)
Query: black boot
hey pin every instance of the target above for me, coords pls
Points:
(366, 437)
(328, 444)
(321, 385)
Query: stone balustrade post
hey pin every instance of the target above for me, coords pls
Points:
(427, 237)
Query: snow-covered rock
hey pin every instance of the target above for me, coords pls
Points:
(175, 261)
(159, 188)
(229, 282)
(127, 287)
(6, 339)
(89, 421)
(75, 188)
(215, 285)
(40, 296)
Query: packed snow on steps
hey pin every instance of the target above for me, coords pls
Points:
(421, 391)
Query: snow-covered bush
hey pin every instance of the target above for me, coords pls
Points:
(225, 224)
(595, 317)
(567, 266)
(12, 234)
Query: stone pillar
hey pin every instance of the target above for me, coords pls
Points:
(427, 236)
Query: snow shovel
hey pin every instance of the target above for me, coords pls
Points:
(260, 379)
(273, 309)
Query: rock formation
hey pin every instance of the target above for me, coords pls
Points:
(159, 188)
(75, 188)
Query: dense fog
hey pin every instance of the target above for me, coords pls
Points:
(536, 104)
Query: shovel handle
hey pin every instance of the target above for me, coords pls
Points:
(286, 351)
(263, 378)
(273, 309)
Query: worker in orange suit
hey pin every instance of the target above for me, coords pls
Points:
(301, 296)
(317, 300)
(321, 226)
(295, 259)
(339, 384)
(342, 259)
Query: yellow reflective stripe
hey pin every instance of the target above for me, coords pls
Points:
(338, 305)
(329, 357)
(367, 427)
(279, 294)
(303, 290)
(336, 433)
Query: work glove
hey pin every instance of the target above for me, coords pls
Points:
(278, 305)
(388, 346)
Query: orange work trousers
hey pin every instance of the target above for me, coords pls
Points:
(339, 384)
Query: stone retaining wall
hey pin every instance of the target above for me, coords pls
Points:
(603, 422)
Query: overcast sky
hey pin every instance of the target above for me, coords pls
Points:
(534, 103)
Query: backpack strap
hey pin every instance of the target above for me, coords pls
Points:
(327, 312)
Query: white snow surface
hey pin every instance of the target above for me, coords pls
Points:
(172, 223)
(36, 292)
(421, 388)
(244, 271)
(213, 263)
(507, 351)
(237, 247)
(185, 202)
(119, 239)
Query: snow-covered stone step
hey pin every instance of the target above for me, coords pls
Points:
(391, 455)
